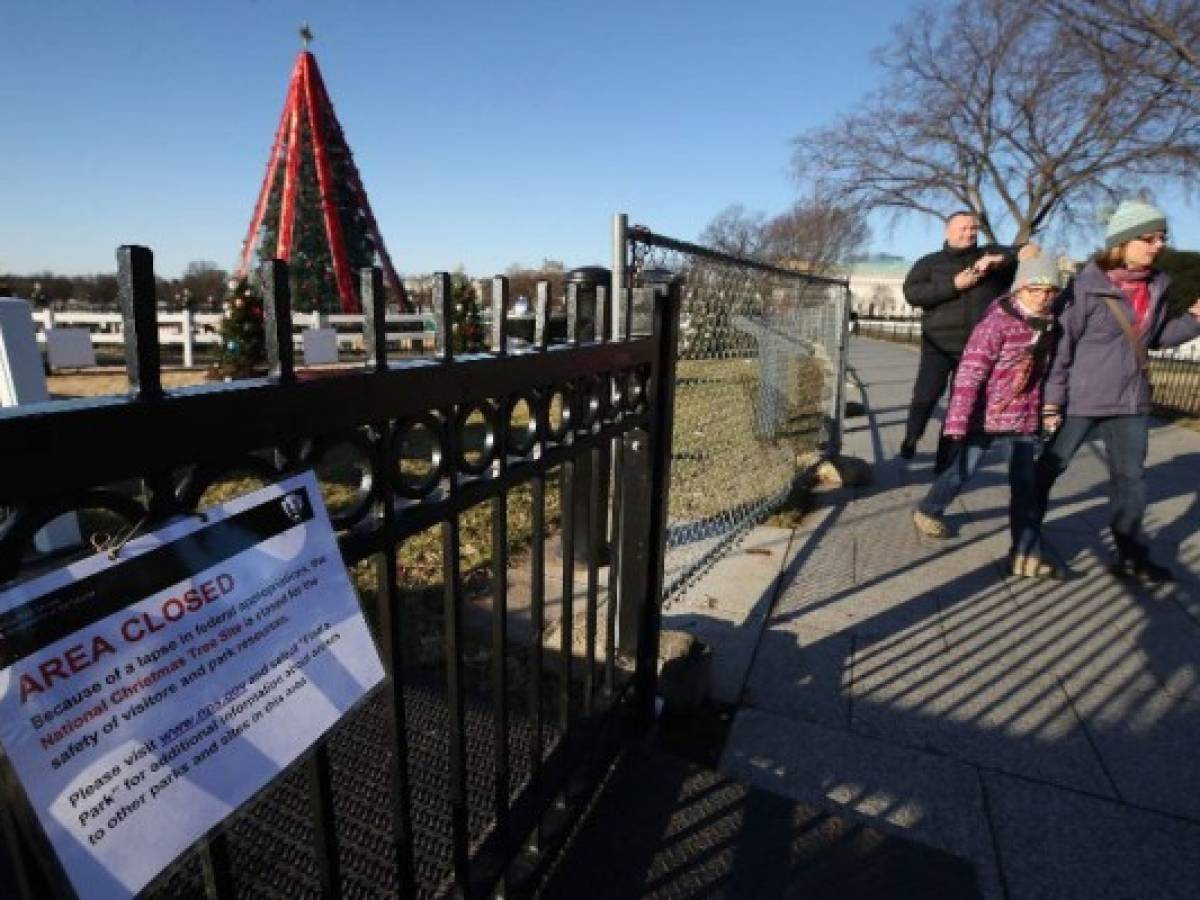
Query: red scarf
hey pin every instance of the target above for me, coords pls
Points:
(1134, 284)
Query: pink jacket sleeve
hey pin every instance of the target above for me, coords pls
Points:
(978, 360)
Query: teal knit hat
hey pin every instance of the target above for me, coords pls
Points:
(1132, 219)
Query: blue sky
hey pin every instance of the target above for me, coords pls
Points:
(487, 133)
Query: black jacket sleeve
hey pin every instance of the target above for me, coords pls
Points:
(925, 288)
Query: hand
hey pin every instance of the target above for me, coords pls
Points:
(1051, 418)
(1194, 309)
(967, 278)
(989, 261)
(1029, 251)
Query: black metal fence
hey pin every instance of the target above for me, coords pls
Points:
(1174, 373)
(461, 773)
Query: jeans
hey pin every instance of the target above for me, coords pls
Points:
(934, 369)
(1024, 506)
(1125, 440)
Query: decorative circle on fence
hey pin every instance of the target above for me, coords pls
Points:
(635, 391)
(417, 461)
(522, 426)
(591, 402)
(101, 513)
(210, 484)
(342, 463)
(477, 444)
(556, 412)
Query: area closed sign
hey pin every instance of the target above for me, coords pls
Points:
(144, 699)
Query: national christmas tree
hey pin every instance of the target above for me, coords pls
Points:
(312, 209)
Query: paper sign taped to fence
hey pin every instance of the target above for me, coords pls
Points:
(143, 699)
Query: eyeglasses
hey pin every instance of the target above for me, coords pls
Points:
(1159, 237)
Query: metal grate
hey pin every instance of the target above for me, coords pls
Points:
(272, 840)
(758, 384)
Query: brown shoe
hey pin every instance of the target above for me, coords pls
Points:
(930, 526)
(1032, 567)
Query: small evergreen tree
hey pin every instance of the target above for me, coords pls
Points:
(243, 344)
(468, 331)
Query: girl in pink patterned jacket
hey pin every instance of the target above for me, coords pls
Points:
(997, 397)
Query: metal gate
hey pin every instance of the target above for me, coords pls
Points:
(456, 777)
(463, 773)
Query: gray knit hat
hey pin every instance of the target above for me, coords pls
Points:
(1132, 219)
(1040, 269)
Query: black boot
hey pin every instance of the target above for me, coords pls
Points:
(1141, 568)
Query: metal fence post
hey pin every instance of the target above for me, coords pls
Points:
(500, 314)
(135, 292)
(143, 355)
(647, 470)
(374, 316)
(620, 309)
(838, 401)
(277, 320)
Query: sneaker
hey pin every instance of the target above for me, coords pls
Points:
(1027, 566)
(908, 448)
(930, 526)
(1141, 570)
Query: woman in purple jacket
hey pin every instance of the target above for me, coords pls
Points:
(1113, 312)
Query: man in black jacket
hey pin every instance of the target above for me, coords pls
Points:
(953, 288)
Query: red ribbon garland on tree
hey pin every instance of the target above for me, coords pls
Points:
(308, 97)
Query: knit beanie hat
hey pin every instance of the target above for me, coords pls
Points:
(1039, 269)
(1132, 219)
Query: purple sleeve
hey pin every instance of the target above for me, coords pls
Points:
(1178, 331)
(1071, 320)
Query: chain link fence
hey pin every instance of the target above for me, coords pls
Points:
(1174, 373)
(758, 391)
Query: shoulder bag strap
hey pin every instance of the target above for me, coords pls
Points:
(1139, 349)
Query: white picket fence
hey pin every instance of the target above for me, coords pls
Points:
(188, 330)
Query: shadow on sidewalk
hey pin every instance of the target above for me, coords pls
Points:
(666, 828)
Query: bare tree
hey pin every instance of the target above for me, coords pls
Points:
(737, 231)
(1158, 40)
(993, 107)
(205, 283)
(815, 234)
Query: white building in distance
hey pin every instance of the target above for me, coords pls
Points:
(877, 289)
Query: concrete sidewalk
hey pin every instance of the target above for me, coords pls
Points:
(1049, 732)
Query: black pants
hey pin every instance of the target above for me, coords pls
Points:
(933, 374)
